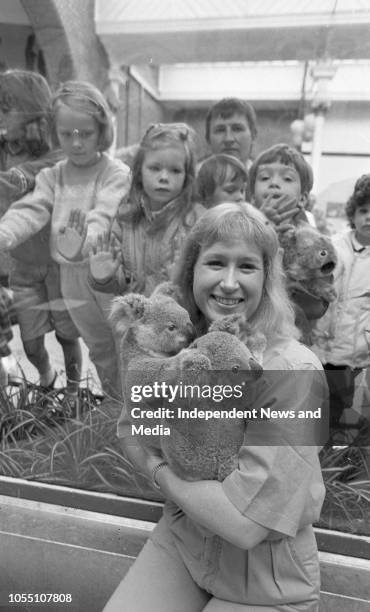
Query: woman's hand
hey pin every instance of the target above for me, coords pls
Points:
(203, 501)
(105, 258)
(142, 458)
(71, 237)
(206, 503)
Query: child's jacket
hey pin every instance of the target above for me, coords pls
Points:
(342, 335)
(96, 190)
(150, 248)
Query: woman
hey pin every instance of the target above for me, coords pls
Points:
(246, 543)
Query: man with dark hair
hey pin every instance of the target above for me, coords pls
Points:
(231, 127)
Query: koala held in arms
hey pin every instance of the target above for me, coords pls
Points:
(153, 334)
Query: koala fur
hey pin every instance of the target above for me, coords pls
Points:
(152, 334)
(309, 260)
(200, 449)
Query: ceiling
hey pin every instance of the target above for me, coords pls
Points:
(11, 11)
(172, 31)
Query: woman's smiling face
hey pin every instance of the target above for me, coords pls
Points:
(228, 279)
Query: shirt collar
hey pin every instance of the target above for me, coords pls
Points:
(356, 245)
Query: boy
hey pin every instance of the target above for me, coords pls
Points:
(342, 336)
(280, 182)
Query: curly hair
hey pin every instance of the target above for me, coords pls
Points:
(360, 196)
(284, 154)
(230, 221)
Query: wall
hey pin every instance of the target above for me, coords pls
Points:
(48, 548)
(13, 43)
(137, 110)
(273, 126)
(345, 151)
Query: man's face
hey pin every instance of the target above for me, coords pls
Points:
(231, 135)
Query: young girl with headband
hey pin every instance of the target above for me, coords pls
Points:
(151, 227)
(90, 181)
(246, 543)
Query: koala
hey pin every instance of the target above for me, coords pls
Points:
(309, 260)
(200, 449)
(150, 332)
(154, 334)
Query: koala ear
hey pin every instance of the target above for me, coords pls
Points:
(170, 290)
(257, 344)
(125, 310)
(231, 324)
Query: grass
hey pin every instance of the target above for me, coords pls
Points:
(80, 451)
(346, 474)
(83, 451)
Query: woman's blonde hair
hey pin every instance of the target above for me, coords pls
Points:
(240, 221)
(159, 136)
(86, 98)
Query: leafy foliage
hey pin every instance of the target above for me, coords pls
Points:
(40, 439)
(346, 473)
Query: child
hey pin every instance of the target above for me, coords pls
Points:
(25, 100)
(221, 178)
(8, 364)
(88, 180)
(342, 336)
(151, 228)
(246, 542)
(280, 181)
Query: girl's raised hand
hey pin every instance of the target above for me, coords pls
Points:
(71, 237)
(105, 258)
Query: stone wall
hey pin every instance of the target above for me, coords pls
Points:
(65, 31)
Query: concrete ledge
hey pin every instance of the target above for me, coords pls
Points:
(346, 576)
(340, 603)
(57, 549)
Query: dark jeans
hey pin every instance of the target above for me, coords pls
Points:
(341, 382)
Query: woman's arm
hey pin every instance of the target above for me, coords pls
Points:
(203, 501)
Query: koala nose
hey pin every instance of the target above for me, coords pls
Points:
(255, 367)
(328, 267)
(191, 333)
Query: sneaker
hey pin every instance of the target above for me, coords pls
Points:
(11, 370)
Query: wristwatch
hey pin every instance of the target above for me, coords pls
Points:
(155, 471)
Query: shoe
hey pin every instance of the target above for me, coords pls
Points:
(10, 368)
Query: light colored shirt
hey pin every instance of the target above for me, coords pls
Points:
(96, 190)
